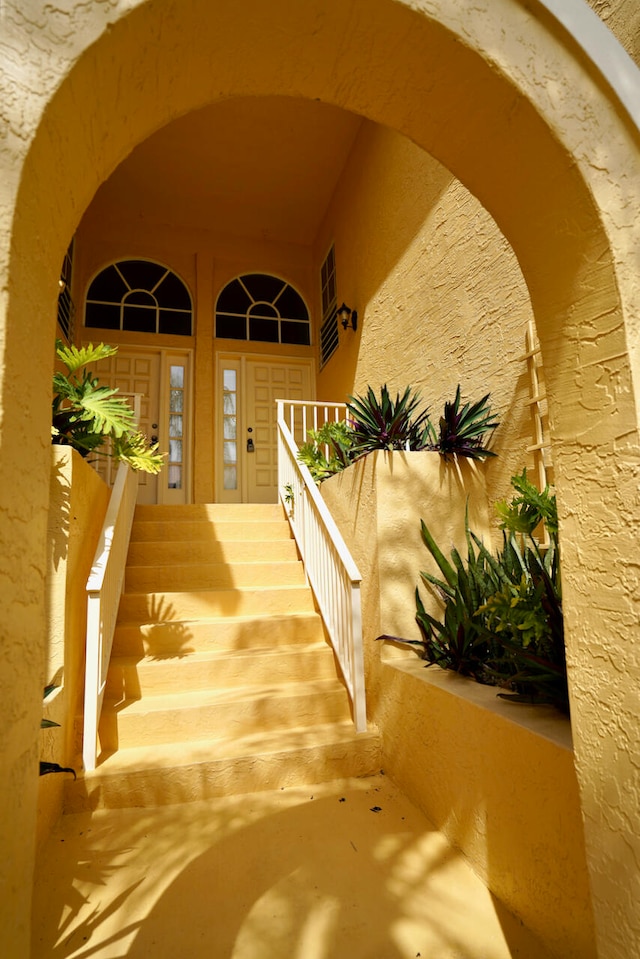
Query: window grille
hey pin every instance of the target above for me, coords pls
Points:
(139, 296)
(66, 307)
(329, 325)
(262, 308)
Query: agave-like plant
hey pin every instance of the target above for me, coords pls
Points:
(501, 618)
(462, 429)
(87, 416)
(46, 767)
(389, 424)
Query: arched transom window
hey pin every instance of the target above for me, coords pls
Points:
(260, 307)
(140, 296)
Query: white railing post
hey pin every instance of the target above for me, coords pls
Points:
(104, 588)
(331, 571)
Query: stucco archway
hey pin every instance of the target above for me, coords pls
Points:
(509, 103)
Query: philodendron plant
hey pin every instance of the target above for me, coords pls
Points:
(93, 418)
(328, 450)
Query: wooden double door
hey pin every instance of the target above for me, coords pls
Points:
(157, 384)
(247, 448)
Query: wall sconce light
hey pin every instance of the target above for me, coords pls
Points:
(348, 317)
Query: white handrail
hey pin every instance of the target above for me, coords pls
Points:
(104, 588)
(332, 573)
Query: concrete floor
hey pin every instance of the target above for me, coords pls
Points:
(346, 870)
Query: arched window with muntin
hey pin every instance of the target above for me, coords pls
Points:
(262, 308)
(139, 296)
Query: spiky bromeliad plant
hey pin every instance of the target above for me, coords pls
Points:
(86, 416)
(388, 424)
(462, 429)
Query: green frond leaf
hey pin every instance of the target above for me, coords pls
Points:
(74, 358)
(132, 448)
(105, 410)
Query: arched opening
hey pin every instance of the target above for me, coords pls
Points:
(483, 113)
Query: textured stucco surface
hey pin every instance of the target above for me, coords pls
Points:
(623, 19)
(500, 784)
(504, 99)
(440, 294)
(501, 790)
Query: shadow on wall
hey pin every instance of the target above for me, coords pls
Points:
(57, 551)
(498, 778)
(78, 500)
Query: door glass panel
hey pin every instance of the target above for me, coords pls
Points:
(230, 477)
(177, 376)
(176, 425)
(230, 428)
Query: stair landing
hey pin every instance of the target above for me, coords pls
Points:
(345, 870)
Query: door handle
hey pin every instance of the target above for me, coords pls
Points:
(154, 438)
(250, 447)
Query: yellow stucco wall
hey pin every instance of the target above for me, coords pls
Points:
(440, 294)
(502, 785)
(77, 507)
(498, 780)
(499, 92)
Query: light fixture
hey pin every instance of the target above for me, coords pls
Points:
(348, 317)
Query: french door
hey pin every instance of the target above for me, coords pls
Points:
(157, 384)
(247, 390)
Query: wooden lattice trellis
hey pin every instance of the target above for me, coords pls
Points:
(540, 449)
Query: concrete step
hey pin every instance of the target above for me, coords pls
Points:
(159, 579)
(221, 681)
(209, 714)
(211, 512)
(217, 551)
(134, 677)
(209, 532)
(178, 639)
(209, 604)
(186, 772)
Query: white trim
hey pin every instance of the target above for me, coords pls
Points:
(603, 49)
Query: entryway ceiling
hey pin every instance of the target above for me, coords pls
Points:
(262, 168)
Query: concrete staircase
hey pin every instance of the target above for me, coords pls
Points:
(221, 680)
